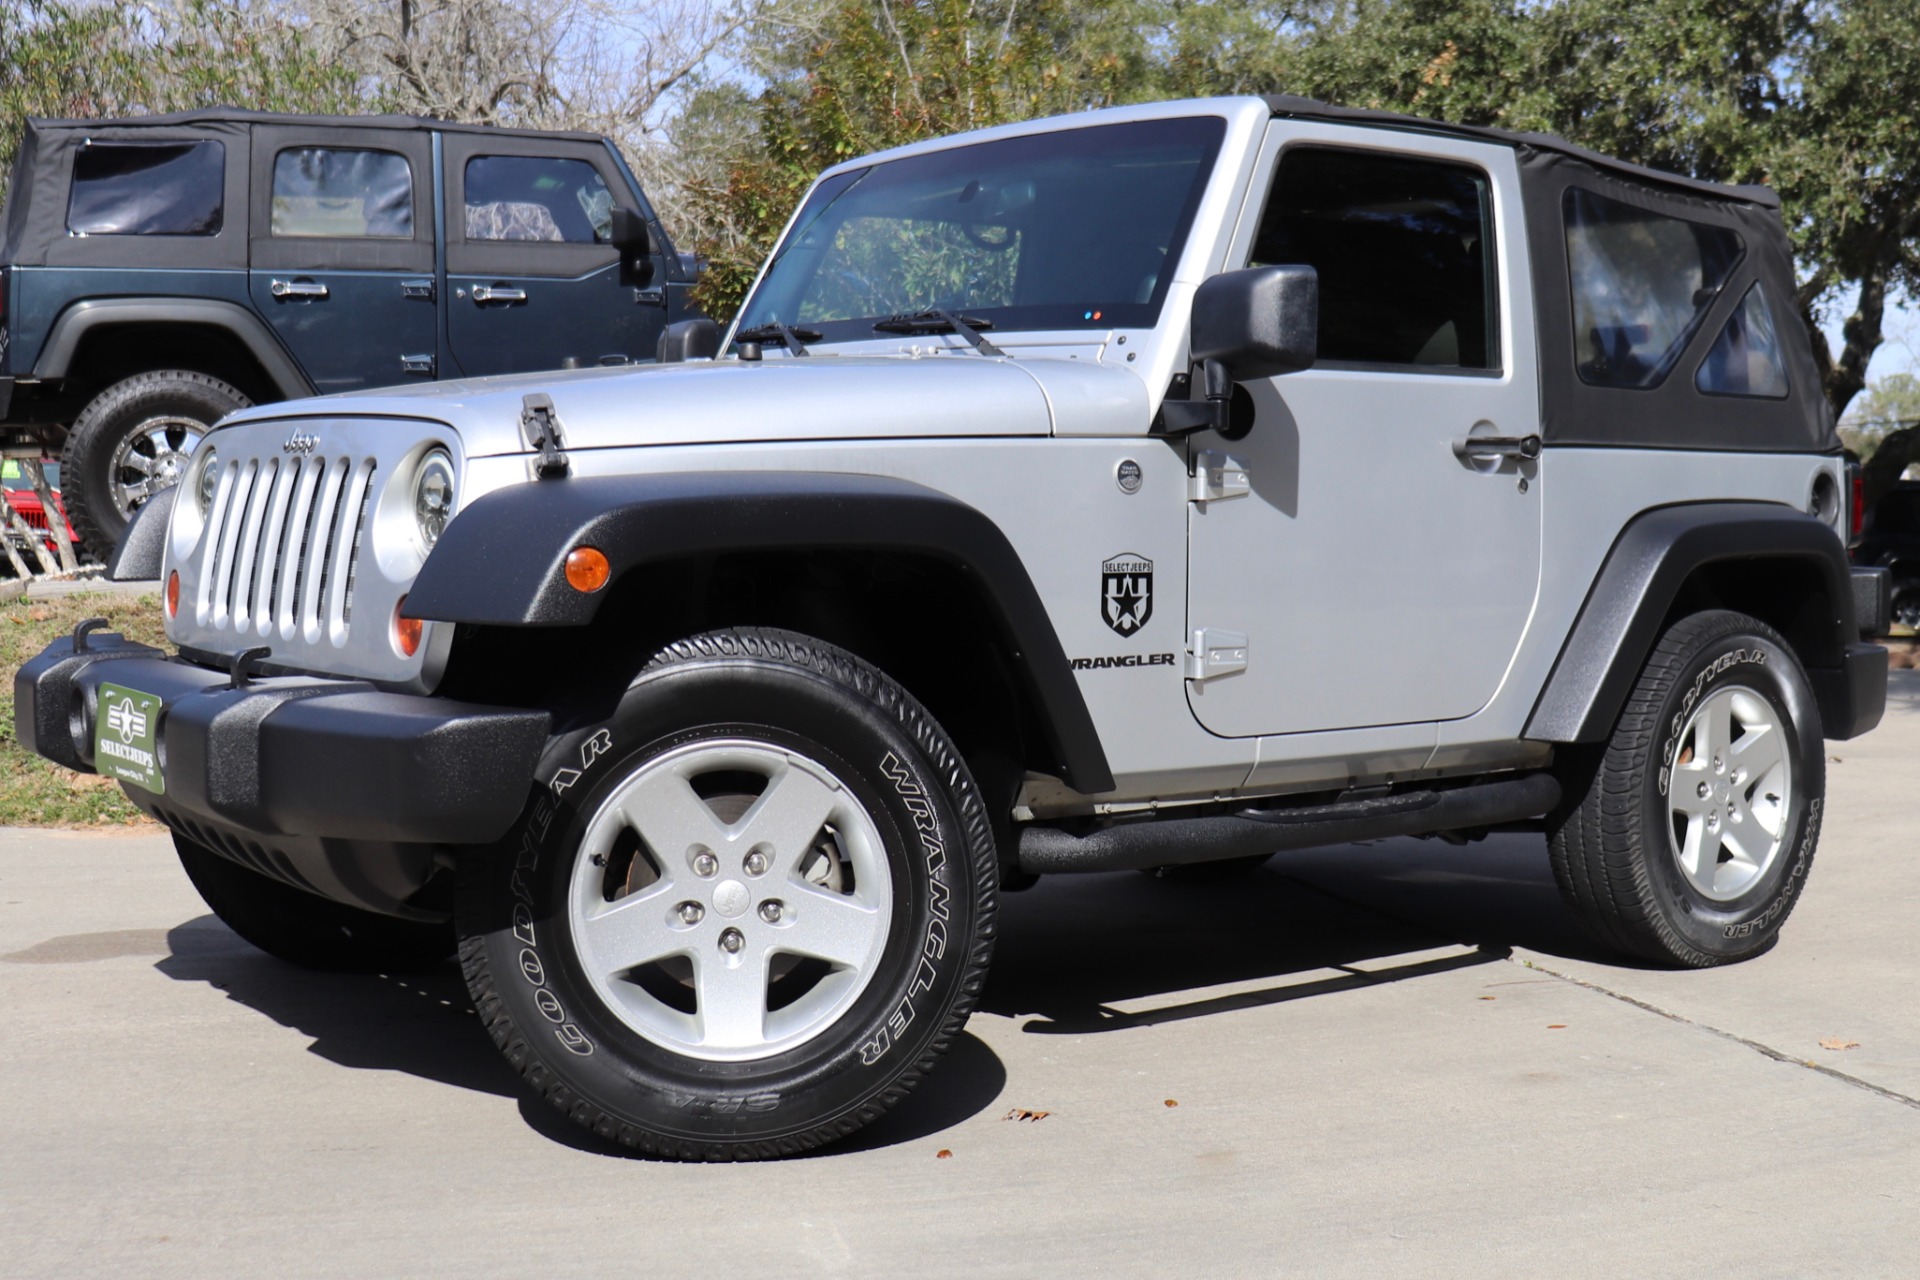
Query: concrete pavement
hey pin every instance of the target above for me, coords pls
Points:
(1350, 1100)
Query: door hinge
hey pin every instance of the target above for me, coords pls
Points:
(1216, 653)
(1217, 477)
(417, 289)
(417, 364)
(650, 297)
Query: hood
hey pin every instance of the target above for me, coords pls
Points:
(819, 397)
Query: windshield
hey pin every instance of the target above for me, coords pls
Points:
(1078, 229)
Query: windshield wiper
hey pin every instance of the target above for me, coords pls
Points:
(794, 340)
(940, 320)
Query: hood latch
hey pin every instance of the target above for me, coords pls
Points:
(542, 428)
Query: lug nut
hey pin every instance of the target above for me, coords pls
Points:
(691, 912)
(1719, 765)
(705, 864)
(756, 863)
(731, 942)
(1705, 790)
(771, 910)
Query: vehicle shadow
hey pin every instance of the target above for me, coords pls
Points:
(1069, 950)
(1074, 947)
(423, 1024)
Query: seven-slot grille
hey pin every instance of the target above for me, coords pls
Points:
(281, 546)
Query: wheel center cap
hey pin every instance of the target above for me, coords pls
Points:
(731, 899)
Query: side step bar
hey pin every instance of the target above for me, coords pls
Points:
(1179, 841)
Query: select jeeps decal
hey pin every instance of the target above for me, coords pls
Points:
(933, 947)
(1126, 592)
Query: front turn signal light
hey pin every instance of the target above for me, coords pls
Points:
(173, 593)
(406, 631)
(587, 569)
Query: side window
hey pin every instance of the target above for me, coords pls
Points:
(148, 189)
(1404, 252)
(332, 191)
(1745, 360)
(537, 198)
(1641, 283)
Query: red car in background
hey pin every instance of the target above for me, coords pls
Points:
(27, 504)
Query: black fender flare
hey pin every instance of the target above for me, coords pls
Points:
(1641, 579)
(501, 562)
(82, 318)
(144, 545)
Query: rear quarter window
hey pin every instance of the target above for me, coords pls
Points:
(1642, 281)
(148, 189)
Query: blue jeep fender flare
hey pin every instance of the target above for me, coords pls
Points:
(501, 562)
(80, 319)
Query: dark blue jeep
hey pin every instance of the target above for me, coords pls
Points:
(159, 273)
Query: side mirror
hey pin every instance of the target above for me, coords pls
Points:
(685, 340)
(1257, 323)
(633, 238)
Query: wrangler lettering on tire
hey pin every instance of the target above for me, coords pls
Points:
(750, 909)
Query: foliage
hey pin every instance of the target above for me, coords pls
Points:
(883, 73)
(35, 792)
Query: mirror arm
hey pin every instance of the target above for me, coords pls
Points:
(1213, 413)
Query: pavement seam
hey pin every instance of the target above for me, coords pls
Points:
(1759, 1047)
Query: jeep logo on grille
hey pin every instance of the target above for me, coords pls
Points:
(300, 443)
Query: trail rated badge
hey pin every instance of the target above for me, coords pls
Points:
(1126, 592)
(123, 737)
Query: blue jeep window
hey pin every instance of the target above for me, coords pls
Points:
(1745, 360)
(537, 198)
(1642, 281)
(332, 191)
(147, 189)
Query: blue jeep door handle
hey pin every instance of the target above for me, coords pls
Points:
(297, 289)
(485, 293)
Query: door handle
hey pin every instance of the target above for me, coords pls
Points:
(1470, 447)
(297, 289)
(485, 293)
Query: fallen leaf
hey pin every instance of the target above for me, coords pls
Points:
(1489, 997)
(1021, 1113)
(1172, 1103)
(1556, 1026)
(38, 615)
(943, 1154)
(1839, 1042)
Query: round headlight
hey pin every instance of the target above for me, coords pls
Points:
(433, 496)
(206, 480)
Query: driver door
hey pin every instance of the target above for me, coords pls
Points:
(1378, 576)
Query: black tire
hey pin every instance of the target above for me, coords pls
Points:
(779, 693)
(1615, 844)
(110, 419)
(301, 928)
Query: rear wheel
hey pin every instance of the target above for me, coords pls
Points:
(305, 929)
(132, 441)
(743, 916)
(1687, 838)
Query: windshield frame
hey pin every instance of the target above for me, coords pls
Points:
(1206, 132)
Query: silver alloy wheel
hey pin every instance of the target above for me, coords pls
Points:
(723, 924)
(151, 457)
(1730, 792)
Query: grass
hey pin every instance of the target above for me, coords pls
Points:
(35, 792)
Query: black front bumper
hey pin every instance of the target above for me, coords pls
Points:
(315, 760)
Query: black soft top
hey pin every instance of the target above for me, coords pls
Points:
(1673, 415)
(36, 232)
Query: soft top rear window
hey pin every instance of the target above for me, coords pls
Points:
(148, 188)
(1642, 281)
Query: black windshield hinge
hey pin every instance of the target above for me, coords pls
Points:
(542, 428)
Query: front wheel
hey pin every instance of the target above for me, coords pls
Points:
(743, 916)
(1688, 837)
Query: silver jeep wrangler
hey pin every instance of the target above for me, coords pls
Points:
(1166, 485)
